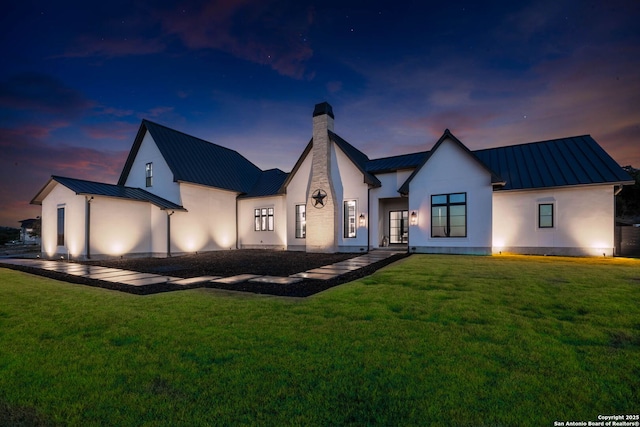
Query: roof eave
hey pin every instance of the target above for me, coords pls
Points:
(591, 184)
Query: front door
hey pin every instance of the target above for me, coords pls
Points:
(398, 227)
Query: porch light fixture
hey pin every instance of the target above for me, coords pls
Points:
(414, 218)
(362, 222)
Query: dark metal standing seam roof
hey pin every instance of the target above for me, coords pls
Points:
(197, 161)
(577, 160)
(268, 184)
(80, 186)
(394, 163)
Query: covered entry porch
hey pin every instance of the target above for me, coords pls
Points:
(393, 222)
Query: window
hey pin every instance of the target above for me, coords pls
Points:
(301, 221)
(545, 215)
(60, 226)
(449, 215)
(148, 173)
(350, 218)
(263, 219)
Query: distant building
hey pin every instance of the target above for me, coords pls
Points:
(180, 194)
(27, 227)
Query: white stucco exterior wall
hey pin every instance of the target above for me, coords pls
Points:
(163, 184)
(450, 169)
(297, 190)
(348, 182)
(248, 238)
(74, 227)
(209, 223)
(120, 227)
(583, 221)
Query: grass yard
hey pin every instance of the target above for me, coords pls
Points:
(430, 340)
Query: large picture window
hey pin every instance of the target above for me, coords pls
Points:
(301, 221)
(545, 215)
(449, 215)
(60, 227)
(148, 173)
(350, 219)
(263, 219)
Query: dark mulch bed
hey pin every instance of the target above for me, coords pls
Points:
(228, 263)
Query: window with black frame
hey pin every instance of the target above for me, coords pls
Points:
(263, 219)
(545, 215)
(148, 173)
(301, 221)
(350, 219)
(449, 215)
(60, 226)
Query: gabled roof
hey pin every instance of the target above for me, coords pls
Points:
(91, 188)
(195, 160)
(357, 157)
(268, 184)
(577, 160)
(495, 179)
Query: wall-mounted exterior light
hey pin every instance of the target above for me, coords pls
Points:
(413, 220)
(362, 221)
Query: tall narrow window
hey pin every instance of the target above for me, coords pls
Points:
(270, 219)
(545, 215)
(256, 218)
(350, 218)
(263, 219)
(60, 226)
(449, 215)
(148, 173)
(301, 221)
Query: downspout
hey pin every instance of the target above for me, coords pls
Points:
(169, 233)
(237, 234)
(617, 231)
(87, 224)
(368, 219)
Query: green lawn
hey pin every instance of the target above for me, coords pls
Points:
(430, 340)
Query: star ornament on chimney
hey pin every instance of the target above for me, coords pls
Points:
(318, 198)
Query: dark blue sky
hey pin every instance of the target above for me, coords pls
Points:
(78, 77)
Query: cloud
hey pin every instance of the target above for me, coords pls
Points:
(118, 130)
(27, 163)
(263, 32)
(334, 86)
(41, 93)
(592, 89)
(91, 46)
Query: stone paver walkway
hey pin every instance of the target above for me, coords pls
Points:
(137, 279)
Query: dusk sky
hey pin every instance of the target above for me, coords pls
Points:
(78, 77)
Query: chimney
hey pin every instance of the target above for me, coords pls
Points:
(323, 117)
(322, 209)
